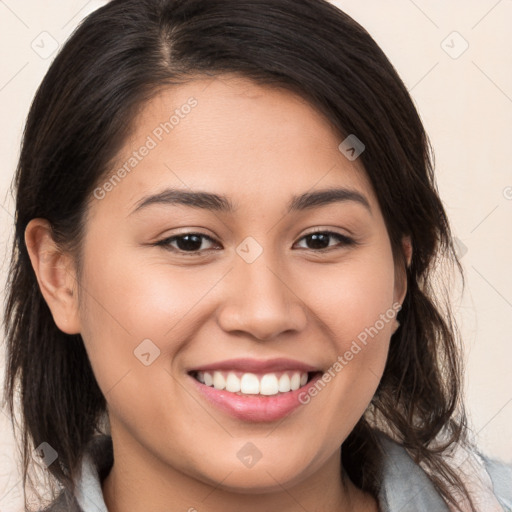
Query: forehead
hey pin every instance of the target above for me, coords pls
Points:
(231, 136)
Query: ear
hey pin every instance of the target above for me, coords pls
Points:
(55, 275)
(401, 272)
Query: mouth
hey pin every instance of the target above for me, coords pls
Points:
(255, 391)
(248, 383)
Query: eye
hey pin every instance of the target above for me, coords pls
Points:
(319, 239)
(191, 244)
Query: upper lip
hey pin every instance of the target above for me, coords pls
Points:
(257, 365)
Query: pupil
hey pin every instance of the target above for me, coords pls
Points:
(316, 237)
(185, 242)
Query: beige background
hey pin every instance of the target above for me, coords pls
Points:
(465, 101)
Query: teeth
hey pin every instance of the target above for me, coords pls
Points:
(232, 383)
(249, 385)
(268, 384)
(219, 382)
(252, 384)
(295, 381)
(284, 383)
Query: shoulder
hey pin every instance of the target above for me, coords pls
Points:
(95, 465)
(500, 474)
(405, 483)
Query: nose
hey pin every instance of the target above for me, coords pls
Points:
(258, 299)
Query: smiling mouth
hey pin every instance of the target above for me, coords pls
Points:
(248, 383)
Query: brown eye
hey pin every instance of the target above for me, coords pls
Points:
(190, 243)
(319, 240)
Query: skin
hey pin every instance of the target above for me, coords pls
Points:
(173, 451)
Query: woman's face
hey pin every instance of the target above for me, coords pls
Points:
(250, 298)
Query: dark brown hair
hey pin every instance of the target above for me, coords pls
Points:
(116, 60)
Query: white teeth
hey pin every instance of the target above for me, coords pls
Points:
(208, 379)
(252, 384)
(295, 381)
(268, 384)
(232, 383)
(249, 385)
(218, 380)
(284, 383)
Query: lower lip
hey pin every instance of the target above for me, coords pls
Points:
(255, 408)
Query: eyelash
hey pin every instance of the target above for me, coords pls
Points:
(165, 243)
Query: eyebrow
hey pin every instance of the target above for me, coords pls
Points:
(221, 203)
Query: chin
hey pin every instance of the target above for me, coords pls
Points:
(252, 481)
(230, 475)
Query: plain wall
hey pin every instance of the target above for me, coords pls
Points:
(465, 100)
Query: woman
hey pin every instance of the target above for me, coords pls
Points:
(182, 338)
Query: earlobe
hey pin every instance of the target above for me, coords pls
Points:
(55, 275)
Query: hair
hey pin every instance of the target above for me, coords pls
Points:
(118, 58)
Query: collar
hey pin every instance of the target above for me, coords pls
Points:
(405, 485)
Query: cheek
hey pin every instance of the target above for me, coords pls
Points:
(124, 308)
(351, 296)
(139, 298)
(126, 303)
(352, 304)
